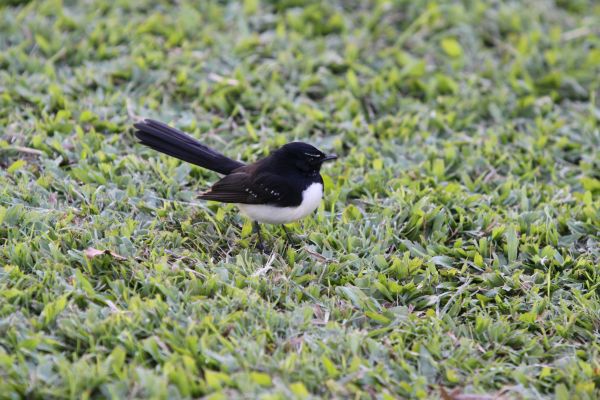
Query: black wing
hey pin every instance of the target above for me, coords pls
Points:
(245, 188)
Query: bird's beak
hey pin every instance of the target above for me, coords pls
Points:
(328, 157)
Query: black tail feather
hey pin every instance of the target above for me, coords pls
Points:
(175, 143)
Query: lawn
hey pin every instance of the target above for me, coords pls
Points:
(456, 254)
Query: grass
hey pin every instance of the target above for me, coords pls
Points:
(457, 251)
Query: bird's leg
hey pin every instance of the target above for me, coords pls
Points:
(289, 236)
(259, 245)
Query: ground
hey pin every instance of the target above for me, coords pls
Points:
(456, 253)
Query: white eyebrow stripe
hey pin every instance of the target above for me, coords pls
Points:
(312, 155)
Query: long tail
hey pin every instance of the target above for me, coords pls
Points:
(175, 143)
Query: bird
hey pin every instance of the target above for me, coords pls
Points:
(283, 187)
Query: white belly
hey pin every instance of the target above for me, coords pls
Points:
(311, 197)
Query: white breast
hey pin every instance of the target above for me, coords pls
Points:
(311, 197)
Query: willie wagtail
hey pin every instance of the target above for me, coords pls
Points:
(280, 188)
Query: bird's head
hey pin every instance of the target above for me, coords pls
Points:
(308, 159)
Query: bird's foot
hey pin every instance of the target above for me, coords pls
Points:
(259, 242)
(290, 238)
(262, 248)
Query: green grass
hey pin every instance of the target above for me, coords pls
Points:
(457, 250)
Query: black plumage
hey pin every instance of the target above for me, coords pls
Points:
(175, 143)
(282, 187)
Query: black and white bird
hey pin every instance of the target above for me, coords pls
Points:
(280, 188)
